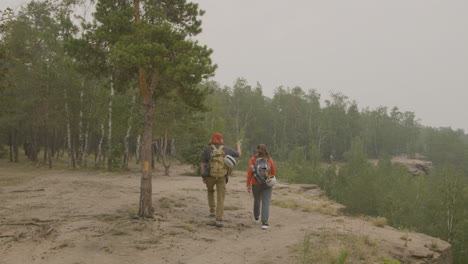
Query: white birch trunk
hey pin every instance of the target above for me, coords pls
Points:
(98, 155)
(69, 146)
(85, 149)
(109, 135)
(127, 136)
(173, 150)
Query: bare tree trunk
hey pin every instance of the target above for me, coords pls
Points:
(79, 156)
(10, 143)
(127, 136)
(15, 145)
(70, 154)
(163, 150)
(99, 149)
(109, 135)
(85, 149)
(138, 149)
(34, 150)
(46, 147)
(48, 150)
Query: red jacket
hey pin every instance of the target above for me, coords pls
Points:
(250, 178)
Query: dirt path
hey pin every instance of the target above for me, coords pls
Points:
(87, 217)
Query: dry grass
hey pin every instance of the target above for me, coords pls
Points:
(334, 247)
(187, 228)
(377, 221)
(231, 208)
(118, 232)
(322, 207)
(15, 180)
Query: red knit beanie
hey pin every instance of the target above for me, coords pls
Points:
(216, 138)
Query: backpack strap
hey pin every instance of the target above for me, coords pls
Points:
(219, 148)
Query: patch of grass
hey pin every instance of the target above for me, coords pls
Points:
(152, 241)
(189, 173)
(336, 248)
(32, 206)
(65, 244)
(118, 232)
(130, 212)
(93, 184)
(140, 247)
(188, 228)
(14, 180)
(138, 228)
(179, 205)
(231, 208)
(291, 204)
(323, 208)
(432, 245)
(390, 261)
(107, 217)
(377, 221)
(165, 202)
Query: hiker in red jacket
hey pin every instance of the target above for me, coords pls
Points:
(260, 180)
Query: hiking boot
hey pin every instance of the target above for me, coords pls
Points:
(219, 224)
(265, 226)
(212, 215)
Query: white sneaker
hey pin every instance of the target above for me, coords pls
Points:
(256, 220)
(265, 226)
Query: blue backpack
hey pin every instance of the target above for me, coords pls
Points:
(261, 170)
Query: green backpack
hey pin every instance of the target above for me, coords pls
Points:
(217, 167)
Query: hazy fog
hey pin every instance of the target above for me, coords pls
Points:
(407, 53)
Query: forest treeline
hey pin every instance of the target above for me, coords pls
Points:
(58, 101)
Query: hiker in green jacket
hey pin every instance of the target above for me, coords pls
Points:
(215, 172)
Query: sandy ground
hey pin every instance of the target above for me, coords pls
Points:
(82, 217)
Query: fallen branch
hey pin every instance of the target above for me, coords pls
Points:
(33, 221)
(48, 231)
(37, 190)
(25, 223)
(44, 220)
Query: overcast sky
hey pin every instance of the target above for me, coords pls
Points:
(407, 53)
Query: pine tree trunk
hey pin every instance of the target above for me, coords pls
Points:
(146, 208)
(127, 136)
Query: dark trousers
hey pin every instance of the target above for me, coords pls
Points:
(262, 194)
